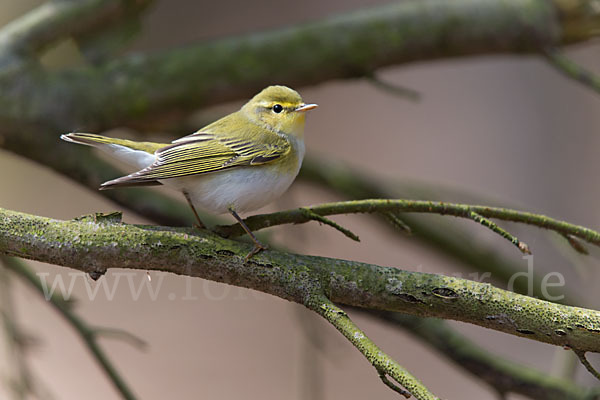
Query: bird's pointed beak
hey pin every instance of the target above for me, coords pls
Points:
(306, 107)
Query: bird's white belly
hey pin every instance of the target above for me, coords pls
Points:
(243, 189)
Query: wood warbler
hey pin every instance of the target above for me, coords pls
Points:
(238, 163)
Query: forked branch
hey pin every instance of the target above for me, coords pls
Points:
(383, 206)
(94, 245)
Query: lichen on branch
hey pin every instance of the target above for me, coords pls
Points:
(95, 247)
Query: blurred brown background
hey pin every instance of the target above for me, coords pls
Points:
(509, 128)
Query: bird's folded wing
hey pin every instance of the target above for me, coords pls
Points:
(206, 153)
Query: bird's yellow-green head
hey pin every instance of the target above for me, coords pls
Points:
(278, 108)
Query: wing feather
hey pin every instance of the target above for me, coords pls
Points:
(203, 153)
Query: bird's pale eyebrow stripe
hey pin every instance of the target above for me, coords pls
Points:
(284, 104)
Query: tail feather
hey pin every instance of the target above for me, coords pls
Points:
(91, 139)
(125, 181)
(88, 139)
(137, 154)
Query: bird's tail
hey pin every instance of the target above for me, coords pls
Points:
(100, 141)
(89, 139)
(137, 154)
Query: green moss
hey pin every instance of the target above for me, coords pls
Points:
(92, 246)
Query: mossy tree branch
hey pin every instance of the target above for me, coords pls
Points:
(370, 206)
(339, 178)
(22, 40)
(94, 246)
(503, 375)
(33, 135)
(345, 46)
(552, 23)
(450, 241)
(384, 365)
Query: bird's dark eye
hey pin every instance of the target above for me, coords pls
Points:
(277, 108)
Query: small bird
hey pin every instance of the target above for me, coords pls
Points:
(238, 163)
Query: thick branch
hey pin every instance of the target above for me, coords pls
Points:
(580, 19)
(24, 37)
(345, 46)
(94, 246)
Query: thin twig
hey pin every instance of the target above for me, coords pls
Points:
(576, 244)
(27, 385)
(87, 334)
(298, 216)
(316, 217)
(397, 222)
(495, 228)
(503, 375)
(20, 380)
(450, 240)
(572, 70)
(394, 89)
(391, 385)
(581, 355)
(383, 363)
(116, 333)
